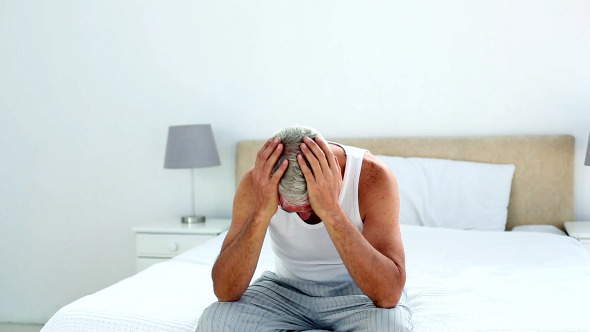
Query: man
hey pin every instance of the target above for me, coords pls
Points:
(332, 212)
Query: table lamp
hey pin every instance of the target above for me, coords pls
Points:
(191, 146)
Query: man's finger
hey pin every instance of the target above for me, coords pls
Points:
(317, 151)
(268, 148)
(262, 149)
(323, 145)
(336, 166)
(271, 162)
(305, 168)
(319, 154)
(278, 174)
(313, 161)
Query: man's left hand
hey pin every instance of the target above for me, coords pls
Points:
(323, 176)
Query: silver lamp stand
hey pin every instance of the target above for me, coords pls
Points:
(194, 218)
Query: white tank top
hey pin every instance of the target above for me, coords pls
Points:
(305, 252)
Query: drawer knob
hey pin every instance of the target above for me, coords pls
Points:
(173, 246)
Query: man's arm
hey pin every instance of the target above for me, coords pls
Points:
(255, 202)
(375, 259)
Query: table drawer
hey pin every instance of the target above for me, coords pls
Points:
(167, 245)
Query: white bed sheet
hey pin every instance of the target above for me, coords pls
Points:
(496, 281)
(456, 281)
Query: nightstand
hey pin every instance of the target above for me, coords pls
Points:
(161, 241)
(580, 230)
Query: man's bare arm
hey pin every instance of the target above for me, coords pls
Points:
(255, 202)
(375, 258)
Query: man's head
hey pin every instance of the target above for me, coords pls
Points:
(292, 187)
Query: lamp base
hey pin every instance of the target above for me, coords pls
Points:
(192, 219)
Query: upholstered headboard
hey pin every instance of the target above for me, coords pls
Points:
(543, 183)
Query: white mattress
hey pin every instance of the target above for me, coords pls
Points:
(496, 281)
(456, 281)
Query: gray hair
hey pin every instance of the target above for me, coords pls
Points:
(292, 187)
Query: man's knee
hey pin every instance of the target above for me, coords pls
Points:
(235, 316)
(214, 317)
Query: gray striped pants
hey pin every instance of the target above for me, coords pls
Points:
(273, 303)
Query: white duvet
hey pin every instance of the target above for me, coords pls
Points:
(456, 281)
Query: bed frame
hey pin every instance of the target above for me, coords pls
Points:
(543, 183)
(542, 193)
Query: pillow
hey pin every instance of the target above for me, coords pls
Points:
(452, 194)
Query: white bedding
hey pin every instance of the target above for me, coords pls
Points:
(457, 280)
(489, 281)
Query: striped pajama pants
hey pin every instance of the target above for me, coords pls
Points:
(273, 303)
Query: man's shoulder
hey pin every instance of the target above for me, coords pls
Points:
(375, 173)
(378, 192)
(373, 164)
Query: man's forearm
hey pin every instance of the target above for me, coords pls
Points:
(378, 276)
(235, 266)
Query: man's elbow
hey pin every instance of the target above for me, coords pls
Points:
(224, 298)
(387, 301)
(224, 294)
(389, 297)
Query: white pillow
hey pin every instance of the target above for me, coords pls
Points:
(452, 194)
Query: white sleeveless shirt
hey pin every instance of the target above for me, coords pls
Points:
(305, 252)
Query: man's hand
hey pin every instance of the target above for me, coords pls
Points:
(374, 257)
(323, 177)
(255, 203)
(265, 183)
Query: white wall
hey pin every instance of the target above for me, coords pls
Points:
(89, 88)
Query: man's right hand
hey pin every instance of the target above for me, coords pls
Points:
(266, 183)
(256, 201)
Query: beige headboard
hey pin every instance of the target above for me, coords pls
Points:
(543, 184)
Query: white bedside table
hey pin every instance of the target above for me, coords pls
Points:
(161, 241)
(579, 230)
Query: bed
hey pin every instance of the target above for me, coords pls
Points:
(527, 276)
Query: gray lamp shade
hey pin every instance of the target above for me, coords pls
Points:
(587, 163)
(191, 146)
